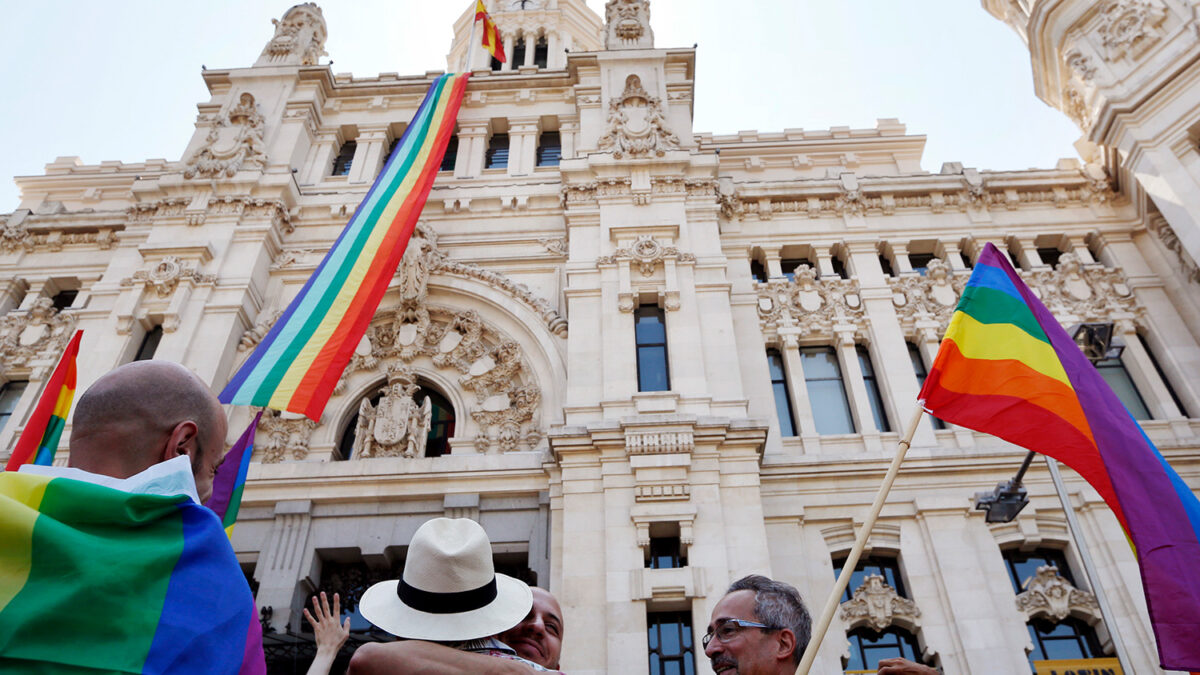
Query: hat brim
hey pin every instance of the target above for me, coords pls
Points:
(381, 606)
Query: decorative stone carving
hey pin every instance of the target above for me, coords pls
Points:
(636, 125)
(877, 605)
(1162, 229)
(236, 143)
(1081, 64)
(521, 405)
(1130, 27)
(299, 38)
(811, 306)
(398, 425)
(649, 443)
(40, 333)
(647, 253)
(166, 275)
(259, 330)
(927, 298)
(555, 246)
(286, 436)
(15, 235)
(627, 25)
(1089, 293)
(1049, 595)
(1075, 105)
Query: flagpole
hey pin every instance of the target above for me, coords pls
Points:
(860, 542)
(471, 40)
(1089, 567)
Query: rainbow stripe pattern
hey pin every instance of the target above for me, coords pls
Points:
(230, 480)
(297, 365)
(39, 438)
(94, 579)
(1006, 367)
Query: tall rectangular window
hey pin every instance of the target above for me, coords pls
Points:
(669, 635)
(666, 553)
(650, 334)
(149, 344)
(758, 271)
(873, 392)
(344, 159)
(783, 399)
(1114, 373)
(549, 151)
(826, 390)
(541, 53)
(10, 393)
(517, 58)
(497, 152)
(1162, 376)
(918, 364)
(451, 155)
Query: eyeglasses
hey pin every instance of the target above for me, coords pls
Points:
(727, 629)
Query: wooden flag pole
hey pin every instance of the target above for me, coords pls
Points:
(860, 542)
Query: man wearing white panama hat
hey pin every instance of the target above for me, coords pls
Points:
(450, 594)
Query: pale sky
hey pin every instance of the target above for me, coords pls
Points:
(120, 80)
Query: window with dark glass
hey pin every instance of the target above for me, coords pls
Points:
(1049, 256)
(518, 55)
(666, 553)
(783, 399)
(918, 364)
(10, 394)
(1024, 564)
(541, 53)
(496, 64)
(966, 260)
(549, 151)
(149, 344)
(441, 427)
(920, 262)
(869, 647)
(650, 334)
(1114, 373)
(826, 390)
(874, 395)
(64, 299)
(888, 568)
(758, 270)
(391, 149)
(497, 152)
(669, 635)
(345, 157)
(1067, 639)
(886, 264)
(839, 267)
(1163, 376)
(789, 266)
(451, 156)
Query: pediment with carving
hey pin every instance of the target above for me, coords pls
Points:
(637, 126)
(808, 305)
(876, 604)
(299, 38)
(1048, 595)
(233, 144)
(41, 333)
(627, 25)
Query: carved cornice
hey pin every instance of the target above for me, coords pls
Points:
(21, 233)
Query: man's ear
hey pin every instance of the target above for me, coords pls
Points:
(182, 441)
(787, 644)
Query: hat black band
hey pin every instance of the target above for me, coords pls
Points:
(447, 603)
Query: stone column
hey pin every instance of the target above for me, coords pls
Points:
(772, 258)
(472, 144)
(900, 262)
(952, 255)
(369, 153)
(1027, 255)
(824, 263)
(509, 43)
(802, 412)
(279, 567)
(568, 130)
(523, 138)
(685, 327)
(856, 389)
(530, 48)
(320, 158)
(893, 369)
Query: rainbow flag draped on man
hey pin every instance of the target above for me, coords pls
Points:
(1006, 367)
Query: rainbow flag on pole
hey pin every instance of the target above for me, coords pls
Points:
(297, 365)
(1006, 367)
(94, 579)
(39, 439)
(230, 480)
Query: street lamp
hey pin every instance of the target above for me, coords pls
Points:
(1003, 503)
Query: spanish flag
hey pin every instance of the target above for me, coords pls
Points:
(40, 437)
(491, 34)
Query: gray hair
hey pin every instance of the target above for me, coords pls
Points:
(780, 605)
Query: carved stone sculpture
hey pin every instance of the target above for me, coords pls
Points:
(932, 297)
(42, 332)
(259, 330)
(814, 306)
(398, 425)
(1048, 594)
(636, 124)
(627, 25)
(233, 144)
(877, 605)
(299, 38)
(166, 275)
(286, 435)
(1130, 26)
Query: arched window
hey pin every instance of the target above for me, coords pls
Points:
(441, 427)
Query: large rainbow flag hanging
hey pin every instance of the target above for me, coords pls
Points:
(230, 480)
(74, 599)
(297, 365)
(1007, 368)
(39, 439)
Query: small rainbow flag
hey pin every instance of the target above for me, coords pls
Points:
(94, 579)
(1006, 367)
(297, 365)
(230, 480)
(491, 35)
(39, 439)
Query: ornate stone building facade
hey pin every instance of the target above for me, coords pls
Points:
(648, 359)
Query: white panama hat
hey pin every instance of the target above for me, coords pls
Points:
(449, 590)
